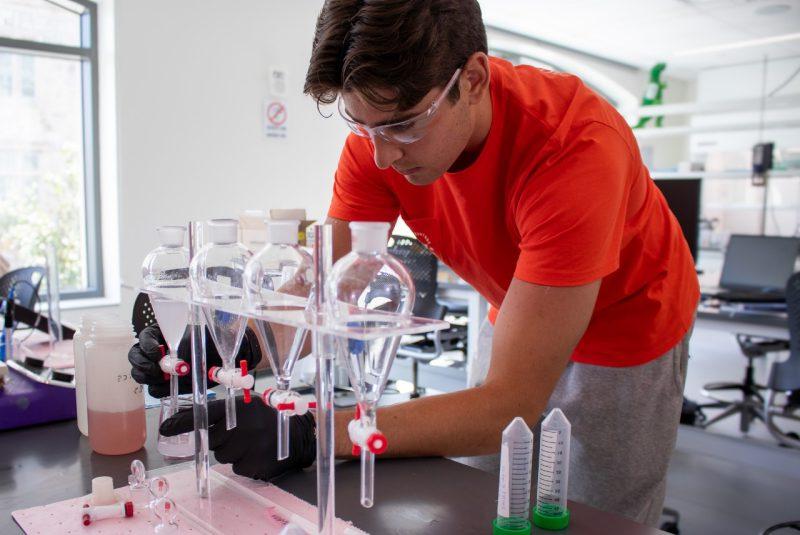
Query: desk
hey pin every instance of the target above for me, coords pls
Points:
(737, 320)
(49, 463)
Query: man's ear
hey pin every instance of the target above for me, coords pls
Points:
(475, 77)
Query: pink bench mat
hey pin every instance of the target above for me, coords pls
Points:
(235, 505)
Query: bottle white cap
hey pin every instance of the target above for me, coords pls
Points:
(283, 232)
(110, 327)
(103, 491)
(369, 236)
(222, 231)
(171, 236)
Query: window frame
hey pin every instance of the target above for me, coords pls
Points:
(87, 53)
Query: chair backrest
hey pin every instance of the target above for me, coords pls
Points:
(26, 282)
(786, 375)
(793, 312)
(424, 268)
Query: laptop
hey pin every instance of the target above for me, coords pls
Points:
(756, 269)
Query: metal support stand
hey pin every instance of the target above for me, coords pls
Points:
(199, 395)
(326, 358)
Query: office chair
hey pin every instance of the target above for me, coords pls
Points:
(783, 395)
(26, 282)
(423, 267)
(751, 406)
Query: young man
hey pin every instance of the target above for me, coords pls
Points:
(531, 188)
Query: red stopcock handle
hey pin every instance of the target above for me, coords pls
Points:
(372, 439)
(245, 391)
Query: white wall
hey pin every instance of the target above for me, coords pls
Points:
(735, 202)
(191, 81)
(664, 153)
(745, 82)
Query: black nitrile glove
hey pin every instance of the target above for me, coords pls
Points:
(252, 446)
(145, 354)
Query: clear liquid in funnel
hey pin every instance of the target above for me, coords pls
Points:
(227, 328)
(369, 361)
(172, 317)
(283, 343)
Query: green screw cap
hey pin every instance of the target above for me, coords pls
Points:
(497, 529)
(551, 522)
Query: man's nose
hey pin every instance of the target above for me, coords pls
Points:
(385, 153)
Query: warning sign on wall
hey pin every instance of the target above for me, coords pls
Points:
(275, 118)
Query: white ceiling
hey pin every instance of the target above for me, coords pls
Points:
(644, 32)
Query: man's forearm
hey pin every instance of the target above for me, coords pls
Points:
(467, 422)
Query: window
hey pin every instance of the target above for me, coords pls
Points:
(27, 74)
(5, 74)
(49, 183)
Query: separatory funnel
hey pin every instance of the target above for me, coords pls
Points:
(363, 288)
(167, 268)
(216, 273)
(282, 268)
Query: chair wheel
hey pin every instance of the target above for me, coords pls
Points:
(670, 527)
(793, 436)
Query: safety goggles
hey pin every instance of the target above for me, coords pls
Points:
(403, 132)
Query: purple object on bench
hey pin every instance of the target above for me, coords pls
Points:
(25, 402)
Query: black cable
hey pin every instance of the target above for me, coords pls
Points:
(785, 83)
(794, 524)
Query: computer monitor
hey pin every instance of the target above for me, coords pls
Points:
(759, 263)
(683, 198)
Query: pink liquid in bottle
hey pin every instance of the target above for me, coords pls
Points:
(117, 433)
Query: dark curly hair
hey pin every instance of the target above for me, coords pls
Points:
(405, 47)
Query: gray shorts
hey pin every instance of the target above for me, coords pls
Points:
(624, 427)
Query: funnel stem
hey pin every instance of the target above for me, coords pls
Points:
(173, 393)
(199, 385)
(283, 435)
(230, 408)
(367, 477)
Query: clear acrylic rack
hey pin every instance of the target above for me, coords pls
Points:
(294, 311)
(306, 313)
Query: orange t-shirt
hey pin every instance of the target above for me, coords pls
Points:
(558, 196)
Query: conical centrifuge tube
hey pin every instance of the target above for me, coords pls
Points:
(216, 273)
(281, 267)
(165, 268)
(551, 493)
(362, 286)
(514, 492)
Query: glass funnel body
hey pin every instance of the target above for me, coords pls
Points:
(281, 268)
(167, 267)
(361, 283)
(278, 269)
(217, 273)
(366, 289)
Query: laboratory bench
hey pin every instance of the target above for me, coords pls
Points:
(54, 462)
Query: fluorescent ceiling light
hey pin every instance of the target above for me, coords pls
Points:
(740, 44)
